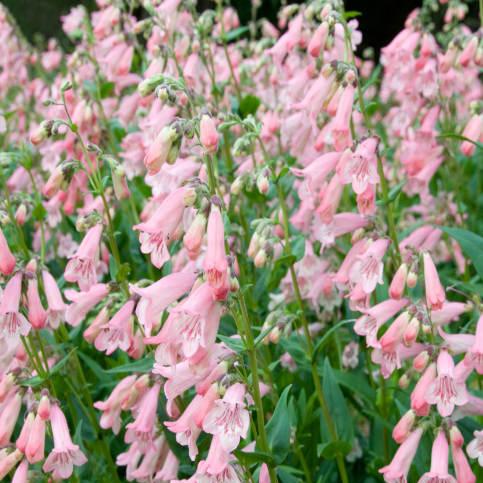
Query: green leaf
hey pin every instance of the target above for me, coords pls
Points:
(352, 14)
(471, 244)
(249, 105)
(39, 212)
(459, 137)
(251, 457)
(142, 365)
(330, 450)
(32, 381)
(236, 345)
(339, 412)
(107, 89)
(298, 247)
(278, 428)
(356, 382)
(234, 34)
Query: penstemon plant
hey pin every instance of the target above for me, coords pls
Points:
(241, 253)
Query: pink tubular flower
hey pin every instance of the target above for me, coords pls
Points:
(56, 306)
(403, 427)
(398, 469)
(229, 419)
(23, 437)
(394, 334)
(463, 471)
(317, 42)
(194, 236)
(7, 260)
(473, 131)
(398, 284)
(81, 268)
(475, 447)
(159, 151)
(360, 168)
(83, 302)
(215, 263)
(368, 269)
(208, 133)
(142, 429)
(188, 426)
(21, 474)
(8, 418)
(475, 354)
(65, 454)
(193, 323)
(12, 321)
(8, 460)
(34, 451)
(156, 298)
(111, 409)
(418, 396)
(37, 315)
(435, 296)
(446, 391)
(158, 231)
(439, 462)
(118, 332)
(340, 129)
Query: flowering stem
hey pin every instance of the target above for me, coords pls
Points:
(310, 347)
(252, 358)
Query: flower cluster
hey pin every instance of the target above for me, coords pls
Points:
(245, 251)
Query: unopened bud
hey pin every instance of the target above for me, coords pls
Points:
(147, 86)
(42, 132)
(456, 437)
(403, 381)
(6, 384)
(412, 279)
(66, 86)
(263, 184)
(403, 427)
(237, 186)
(421, 361)
(260, 258)
(21, 214)
(358, 235)
(411, 333)
(44, 408)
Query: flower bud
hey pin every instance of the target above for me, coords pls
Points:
(412, 279)
(237, 186)
(147, 86)
(54, 182)
(403, 382)
(263, 184)
(6, 384)
(208, 133)
(421, 361)
(403, 427)
(21, 214)
(411, 333)
(42, 132)
(44, 408)
(396, 289)
(260, 258)
(456, 437)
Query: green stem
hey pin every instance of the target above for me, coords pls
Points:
(257, 398)
(310, 347)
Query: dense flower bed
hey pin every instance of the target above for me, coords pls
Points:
(241, 253)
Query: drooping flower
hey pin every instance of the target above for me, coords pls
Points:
(446, 391)
(65, 453)
(439, 462)
(81, 268)
(435, 296)
(229, 419)
(7, 260)
(12, 321)
(215, 263)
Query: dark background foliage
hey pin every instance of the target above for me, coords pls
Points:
(380, 19)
